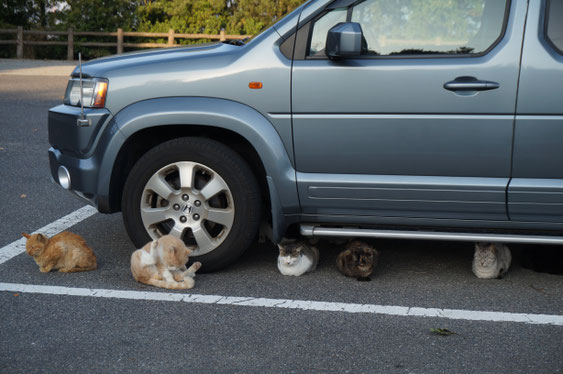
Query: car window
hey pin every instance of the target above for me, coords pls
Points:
(554, 21)
(321, 27)
(414, 27)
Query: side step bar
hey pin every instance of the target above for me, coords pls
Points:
(310, 230)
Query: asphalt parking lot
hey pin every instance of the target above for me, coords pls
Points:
(247, 318)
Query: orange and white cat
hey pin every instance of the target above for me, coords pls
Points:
(162, 263)
(66, 252)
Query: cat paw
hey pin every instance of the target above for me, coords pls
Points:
(192, 269)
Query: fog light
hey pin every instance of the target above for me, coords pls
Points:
(64, 178)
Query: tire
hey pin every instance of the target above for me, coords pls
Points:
(199, 190)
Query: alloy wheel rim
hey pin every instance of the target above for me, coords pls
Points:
(190, 201)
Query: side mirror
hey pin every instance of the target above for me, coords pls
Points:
(345, 40)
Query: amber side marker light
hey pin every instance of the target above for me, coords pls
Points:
(101, 93)
(255, 85)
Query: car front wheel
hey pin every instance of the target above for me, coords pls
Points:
(198, 190)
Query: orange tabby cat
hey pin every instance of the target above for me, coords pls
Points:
(66, 252)
(162, 263)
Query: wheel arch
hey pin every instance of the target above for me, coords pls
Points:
(146, 124)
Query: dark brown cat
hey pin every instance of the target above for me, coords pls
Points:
(358, 260)
(65, 252)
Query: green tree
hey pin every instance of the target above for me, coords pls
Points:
(252, 16)
(25, 13)
(209, 17)
(30, 14)
(99, 15)
(183, 16)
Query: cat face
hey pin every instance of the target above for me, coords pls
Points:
(175, 254)
(485, 255)
(35, 244)
(290, 252)
(361, 254)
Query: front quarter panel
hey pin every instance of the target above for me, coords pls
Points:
(225, 114)
(221, 71)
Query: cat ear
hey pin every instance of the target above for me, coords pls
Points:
(280, 247)
(26, 235)
(42, 238)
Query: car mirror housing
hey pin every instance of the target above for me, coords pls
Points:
(345, 40)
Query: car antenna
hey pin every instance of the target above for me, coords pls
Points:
(81, 121)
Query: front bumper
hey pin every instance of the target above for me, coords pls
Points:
(79, 150)
(83, 175)
(67, 136)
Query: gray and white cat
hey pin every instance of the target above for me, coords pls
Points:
(297, 258)
(491, 260)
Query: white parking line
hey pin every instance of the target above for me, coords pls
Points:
(457, 314)
(17, 247)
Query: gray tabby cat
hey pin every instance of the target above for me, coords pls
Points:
(491, 260)
(297, 258)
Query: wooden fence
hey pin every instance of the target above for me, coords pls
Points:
(119, 43)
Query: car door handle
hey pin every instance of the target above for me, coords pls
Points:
(470, 84)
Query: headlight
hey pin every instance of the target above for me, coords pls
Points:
(94, 92)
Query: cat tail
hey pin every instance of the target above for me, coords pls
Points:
(186, 284)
